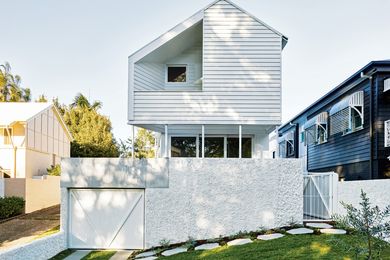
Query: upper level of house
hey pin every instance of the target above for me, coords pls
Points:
(221, 66)
(348, 129)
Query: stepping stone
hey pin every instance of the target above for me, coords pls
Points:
(121, 255)
(333, 231)
(270, 236)
(208, 246)
(300, 231)
(240, 241)
(174, 251)
(145, 254)
(77, 255)
(318, 225)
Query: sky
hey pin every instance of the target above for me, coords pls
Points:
(61, 48)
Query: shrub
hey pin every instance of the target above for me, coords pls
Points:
(54, 170)
(371, 223)
(11, 206)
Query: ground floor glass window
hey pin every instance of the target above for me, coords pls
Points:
(183, 146)
(233, 146)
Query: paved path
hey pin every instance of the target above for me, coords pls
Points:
(77, 255)
(121, 255)
(25, 228)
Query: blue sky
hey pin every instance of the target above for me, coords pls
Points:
(61, 48)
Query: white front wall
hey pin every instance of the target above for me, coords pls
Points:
(241, 76)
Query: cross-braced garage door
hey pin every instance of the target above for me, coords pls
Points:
(106, 218)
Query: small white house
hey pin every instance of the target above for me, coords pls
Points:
(33, 137)
(211, 86)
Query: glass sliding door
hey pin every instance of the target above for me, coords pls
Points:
(233, 146)
(183, 146)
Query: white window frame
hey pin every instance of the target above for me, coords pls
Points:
(319, 126)
(350, 129)
(175, 83)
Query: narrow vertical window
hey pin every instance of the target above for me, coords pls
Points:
(7, 136)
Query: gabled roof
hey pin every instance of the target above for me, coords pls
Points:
(13, 112)
(194, 19)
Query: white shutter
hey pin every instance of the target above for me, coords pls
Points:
(387, 133)
(386, 85)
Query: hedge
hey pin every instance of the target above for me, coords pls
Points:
(11, 206)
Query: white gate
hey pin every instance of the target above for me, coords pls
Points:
(106, 218)
(319, 191)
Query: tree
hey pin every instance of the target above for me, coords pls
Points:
(125, 147)
(41, 99)
(10, 89)
(81, 101)
(370, 223)
(91, 130)
(143, 145)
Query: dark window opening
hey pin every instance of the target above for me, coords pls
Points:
(177, 74)
(233, 145)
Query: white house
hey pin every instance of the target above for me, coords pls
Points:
(33, 137)
(212, 83)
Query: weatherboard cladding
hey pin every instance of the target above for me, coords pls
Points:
(343, 149)
(382, 111)
(241, 76)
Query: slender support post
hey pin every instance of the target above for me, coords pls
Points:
(202, 141)
(239, 141)
(166, 142)
(132, 142)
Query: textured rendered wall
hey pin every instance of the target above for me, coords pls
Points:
(39, 249)
(349, 192)
(211, 197)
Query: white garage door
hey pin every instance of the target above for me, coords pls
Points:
(106, 218)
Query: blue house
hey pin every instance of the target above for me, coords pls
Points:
(347, 130)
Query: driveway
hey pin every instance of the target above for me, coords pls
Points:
(25, 228)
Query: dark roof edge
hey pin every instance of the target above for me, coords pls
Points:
(364, 69)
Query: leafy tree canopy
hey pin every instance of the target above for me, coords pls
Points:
(10, 89)
(91, 130)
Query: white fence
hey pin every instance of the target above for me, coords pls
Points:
(319, 195)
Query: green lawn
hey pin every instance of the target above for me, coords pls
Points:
(48, 232)
(288, 247)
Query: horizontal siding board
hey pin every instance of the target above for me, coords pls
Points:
(343, 149)
(241, 76)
